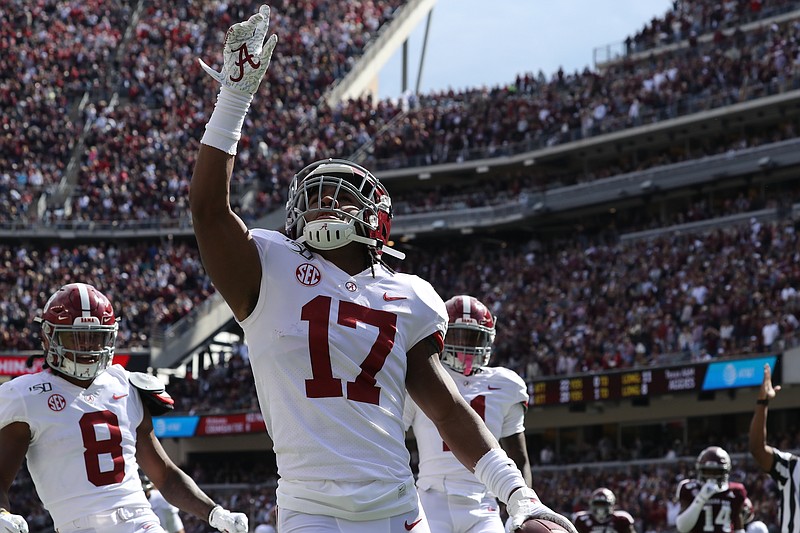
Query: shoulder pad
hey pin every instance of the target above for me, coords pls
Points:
(145, 382)
(151, 390)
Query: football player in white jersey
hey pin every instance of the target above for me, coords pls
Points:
(453, 499)
(335, 336)
(85, 427)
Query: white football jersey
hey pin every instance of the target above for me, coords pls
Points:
(499, 396)
(328, 352)
(83, 441)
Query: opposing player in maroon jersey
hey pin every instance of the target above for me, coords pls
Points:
(603, 516)
(710, 503)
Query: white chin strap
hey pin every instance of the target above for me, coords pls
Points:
(330, 234)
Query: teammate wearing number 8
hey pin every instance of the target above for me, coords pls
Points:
(711, 503)
(336, 337)
(85, 427)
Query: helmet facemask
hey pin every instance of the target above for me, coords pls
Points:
(82, 351)
(601, 510)
(326, 189)
(79, 331)
(467, 347)
(602, 503)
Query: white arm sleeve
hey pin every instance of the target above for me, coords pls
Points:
(686, 520)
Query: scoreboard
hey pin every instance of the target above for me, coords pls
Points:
(645, 382)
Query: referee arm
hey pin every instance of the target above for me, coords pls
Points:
(759, 449)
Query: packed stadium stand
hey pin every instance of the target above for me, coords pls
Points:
(625, 222)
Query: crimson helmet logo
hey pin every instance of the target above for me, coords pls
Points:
(308, 274)
(56, 402)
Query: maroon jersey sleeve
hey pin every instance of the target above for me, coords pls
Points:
(622, 522)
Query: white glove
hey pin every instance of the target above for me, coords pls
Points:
(12, 523)
(245, 55)
(523, 504)
(709, 489)
(226, 521)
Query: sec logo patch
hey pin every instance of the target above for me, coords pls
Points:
(56, 402)
(308, 274)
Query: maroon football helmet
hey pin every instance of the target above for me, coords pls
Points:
(714, 463)
(79, 331)
(344, 182)
(470, 334)
(601, 503)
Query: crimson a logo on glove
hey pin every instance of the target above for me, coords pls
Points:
(245, 57)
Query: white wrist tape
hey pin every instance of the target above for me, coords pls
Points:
(211, 514)
(499, 473)
(224, 128)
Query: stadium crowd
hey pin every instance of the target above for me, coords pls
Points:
(438, 128)
(54, 52)
(675, 297)
(153, 282)
(133, 166)
(687, 20)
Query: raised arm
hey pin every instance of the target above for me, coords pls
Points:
(229, 255)
(759, 449)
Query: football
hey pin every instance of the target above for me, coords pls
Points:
(536, 525)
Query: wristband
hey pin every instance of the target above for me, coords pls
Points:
(499, 474)
(224, 128)
(765, 401)
(3, 510)
(211, 513)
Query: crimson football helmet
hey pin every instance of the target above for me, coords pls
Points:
(79, 331)
(714, 463)
(470, 334)
(601, 503)
(320, 188)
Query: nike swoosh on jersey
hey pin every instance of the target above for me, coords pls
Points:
(392, 299)
(119, 396)
(410, 526)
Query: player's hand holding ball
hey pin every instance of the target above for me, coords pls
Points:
(524, 505)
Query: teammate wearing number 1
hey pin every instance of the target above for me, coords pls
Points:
(454, 500)
(85, 427)
(335, 336)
